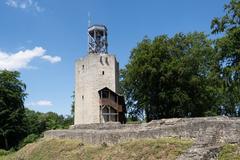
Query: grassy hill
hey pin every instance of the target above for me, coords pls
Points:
(67, 149)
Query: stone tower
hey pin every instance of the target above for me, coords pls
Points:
(97, 81)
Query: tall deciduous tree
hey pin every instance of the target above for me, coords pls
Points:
(228, 56)
(171, 77)
(12, 94)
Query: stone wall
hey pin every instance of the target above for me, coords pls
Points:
(210, 130)
(208, 133)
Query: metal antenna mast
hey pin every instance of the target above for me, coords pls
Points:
(89, 19)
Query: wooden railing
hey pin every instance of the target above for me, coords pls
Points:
(110, 102)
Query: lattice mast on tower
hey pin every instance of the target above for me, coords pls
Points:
(97, 39)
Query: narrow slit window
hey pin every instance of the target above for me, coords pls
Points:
(101, 61)
(102, 72)
(82, 97)
(82, 66)
(106, 60)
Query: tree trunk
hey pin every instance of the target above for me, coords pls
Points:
(6, 142)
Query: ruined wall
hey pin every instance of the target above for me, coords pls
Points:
(209, 133)
(212, 130)
(93, 73)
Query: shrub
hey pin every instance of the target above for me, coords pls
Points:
(4, 152)
(29, 139)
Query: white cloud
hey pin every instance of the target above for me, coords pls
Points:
(24, 4)
(44, 103)
(37, 7)
(12, 3)
(41, 103)
(51, 59)
(22, 59)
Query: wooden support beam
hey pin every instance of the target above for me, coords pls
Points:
(100, 114)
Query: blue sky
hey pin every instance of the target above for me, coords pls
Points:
(43, 38)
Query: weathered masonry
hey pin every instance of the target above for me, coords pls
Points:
(97, 81)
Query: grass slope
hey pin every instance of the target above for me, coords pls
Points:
(230, 152)
(67, 149)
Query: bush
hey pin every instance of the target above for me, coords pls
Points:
(4, 152)
(29, 139)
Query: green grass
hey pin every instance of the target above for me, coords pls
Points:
(4, 152)
(61, 149)
(230, 152)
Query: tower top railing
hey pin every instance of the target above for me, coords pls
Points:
(97, 39)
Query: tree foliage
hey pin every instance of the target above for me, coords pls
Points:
(12, 95)
(19, 124)
(36, 123)
(228, 56)
(188, 74)
(171, 77)
(230, 21)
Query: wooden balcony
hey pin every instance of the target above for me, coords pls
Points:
(112, 103)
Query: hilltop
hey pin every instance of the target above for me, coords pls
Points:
(178, 138)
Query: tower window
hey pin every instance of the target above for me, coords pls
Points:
(106, 60)
(82, 66)
(101, 60)
(102, 72)
(82, 96)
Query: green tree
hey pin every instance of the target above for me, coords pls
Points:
(34, 122)
(228, 56)
(172, 77)
(73, 104)
(134, 113)
(12, 94)
(37, 122)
